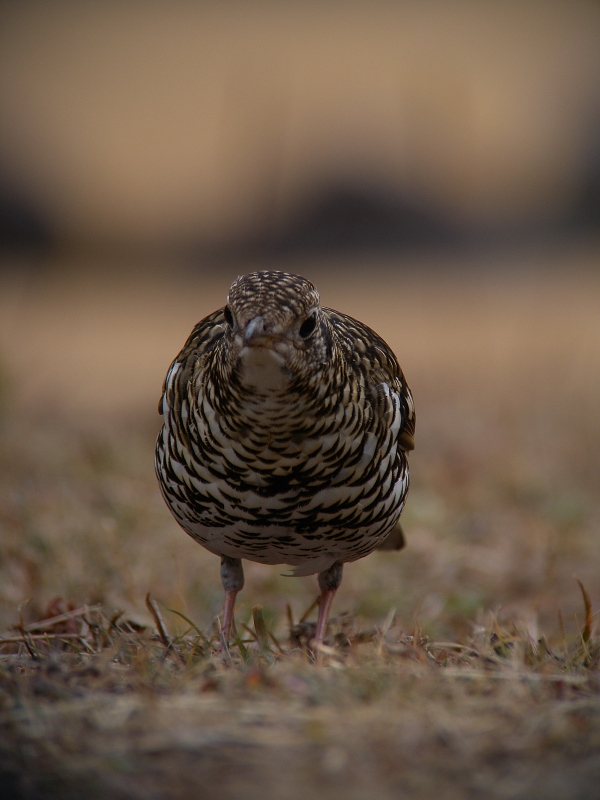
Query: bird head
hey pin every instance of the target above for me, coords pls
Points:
(275, 330)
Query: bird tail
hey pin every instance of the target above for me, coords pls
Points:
(395, 539)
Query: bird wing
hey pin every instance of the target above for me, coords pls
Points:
(369, 354)
(199, 343)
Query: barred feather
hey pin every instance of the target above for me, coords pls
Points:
(282, 446)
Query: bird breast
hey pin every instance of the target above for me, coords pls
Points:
(267, 439)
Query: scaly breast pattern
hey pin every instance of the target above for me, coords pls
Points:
(295, 478)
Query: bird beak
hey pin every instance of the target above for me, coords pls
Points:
(256, 335)
(255, 329)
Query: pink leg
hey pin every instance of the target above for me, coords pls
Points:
(329, 583)
(228, 614)
(232, 576)
(325, 604)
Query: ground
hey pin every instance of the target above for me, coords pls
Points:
(466, 665)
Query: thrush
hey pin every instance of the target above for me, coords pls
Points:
(285, 436)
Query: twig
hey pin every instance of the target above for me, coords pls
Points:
(453, 646)
(309, 611)
(52, 621)
(158, 621)
(38, 637)
(27, 642)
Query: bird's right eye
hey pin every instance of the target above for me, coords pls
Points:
(228, 316)
(308, 326)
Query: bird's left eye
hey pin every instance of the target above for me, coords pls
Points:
(308, 326)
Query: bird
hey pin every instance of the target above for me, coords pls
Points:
(286, 429)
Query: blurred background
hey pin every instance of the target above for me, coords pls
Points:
(218, 127)
(433, 166)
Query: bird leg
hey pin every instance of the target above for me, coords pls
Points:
(329, 582)
(232, 577)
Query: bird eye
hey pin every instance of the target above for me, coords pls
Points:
(228, 316)
(308, 326)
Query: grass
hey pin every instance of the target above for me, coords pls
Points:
(467, 665)
(95, 705)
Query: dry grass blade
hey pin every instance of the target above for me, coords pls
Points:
(46, 624)
(289, 616)
(461, 648)
(158, 620)
(276, 642)
(309, 611)
(323, 654)
(239, 643)
(262, 634)
(190, 623)
(586, 633)
(32, 637)
(562, 632)
(388, 622)
(161, 628)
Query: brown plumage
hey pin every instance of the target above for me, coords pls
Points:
(286, 428)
